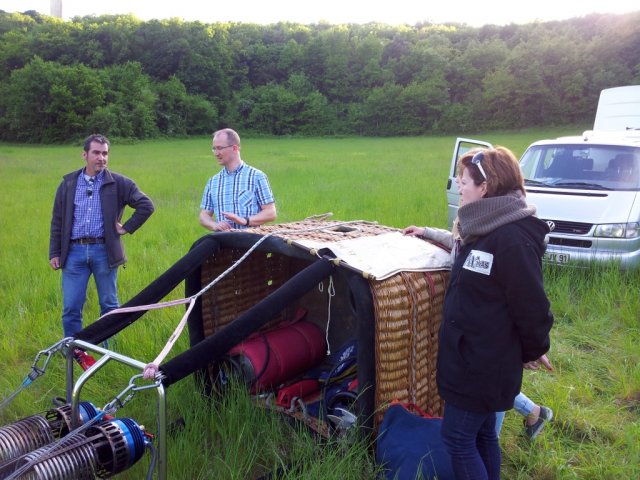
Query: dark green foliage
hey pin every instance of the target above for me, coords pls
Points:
(138, 79)
(48, 102)
(178, 113)
(290, 108)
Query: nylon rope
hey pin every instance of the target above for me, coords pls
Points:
(331, 291)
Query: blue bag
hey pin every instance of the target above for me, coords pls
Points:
(409, 444)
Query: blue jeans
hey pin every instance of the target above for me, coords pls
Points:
(522, 404)
(82, 262)
(472, 442)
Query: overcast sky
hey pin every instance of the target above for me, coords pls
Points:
(471, 12)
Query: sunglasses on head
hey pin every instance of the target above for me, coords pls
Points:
(476, 160)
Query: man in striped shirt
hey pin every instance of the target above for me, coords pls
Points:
(239, 196)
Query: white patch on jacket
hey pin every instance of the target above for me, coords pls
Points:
(479, 262)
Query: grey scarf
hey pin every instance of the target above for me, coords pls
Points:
(485, 215)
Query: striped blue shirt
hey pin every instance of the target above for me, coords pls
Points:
(243, 192)
(87, 211)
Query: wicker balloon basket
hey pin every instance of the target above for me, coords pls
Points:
(395, 321)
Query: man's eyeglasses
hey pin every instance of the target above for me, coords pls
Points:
(90, 189)
(217, 149)
(477, 158)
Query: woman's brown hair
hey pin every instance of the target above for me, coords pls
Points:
(499, 164)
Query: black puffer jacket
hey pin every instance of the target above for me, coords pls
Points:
(496, 317)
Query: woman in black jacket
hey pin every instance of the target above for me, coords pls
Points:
(496, 312)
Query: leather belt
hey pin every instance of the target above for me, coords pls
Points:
(88, 240)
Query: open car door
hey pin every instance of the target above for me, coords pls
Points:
(463, 145)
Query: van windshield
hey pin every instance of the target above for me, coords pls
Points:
(599, 167)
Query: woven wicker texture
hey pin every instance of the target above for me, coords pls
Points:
(255, 278)
(407, 306)
(325, 231)
(408, 310)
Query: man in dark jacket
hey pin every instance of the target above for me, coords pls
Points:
(86, 231)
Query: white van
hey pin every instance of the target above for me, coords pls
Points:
(587, 187)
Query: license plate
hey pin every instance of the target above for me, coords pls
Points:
(553, 257)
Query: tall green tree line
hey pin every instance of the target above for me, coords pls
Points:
(60, 80)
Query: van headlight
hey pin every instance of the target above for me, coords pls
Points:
(618, 230)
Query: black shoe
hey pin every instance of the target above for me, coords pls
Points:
(532, 431)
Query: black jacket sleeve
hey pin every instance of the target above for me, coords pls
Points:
(528, 305)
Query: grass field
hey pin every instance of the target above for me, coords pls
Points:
(594, 389)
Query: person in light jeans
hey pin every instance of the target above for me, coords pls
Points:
(87, 229)
(536, 416)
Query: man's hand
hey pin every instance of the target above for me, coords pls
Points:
(55, 263)
(221, 226)
(208, 222)
(120, 229)
(234, 218)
